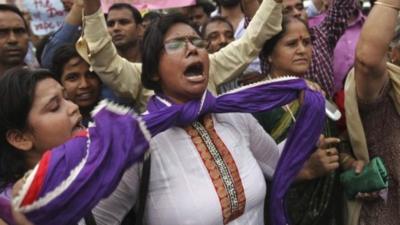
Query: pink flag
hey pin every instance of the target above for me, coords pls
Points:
(149, 4)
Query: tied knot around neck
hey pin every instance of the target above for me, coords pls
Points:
(257, 97)
(163, 114)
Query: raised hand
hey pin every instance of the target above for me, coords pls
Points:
(91, 6)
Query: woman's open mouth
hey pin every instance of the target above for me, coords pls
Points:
(78, 126)
(195, 72)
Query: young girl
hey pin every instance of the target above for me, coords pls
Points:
(34, 118)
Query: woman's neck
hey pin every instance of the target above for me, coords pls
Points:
(274, 74)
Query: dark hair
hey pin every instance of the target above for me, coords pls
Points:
(152, 15)
(270, 44)
(153, 45)
(61, 57)
(135, 12)
(227, 3)
(213, 20)
(40, 47)
(11, 8)
(17, 89)
(207, 6)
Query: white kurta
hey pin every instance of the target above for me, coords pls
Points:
(181, 190)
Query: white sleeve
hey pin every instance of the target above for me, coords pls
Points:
(113, 209)
(263, 147)
(229, 62)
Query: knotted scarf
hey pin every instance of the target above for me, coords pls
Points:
(73, 178)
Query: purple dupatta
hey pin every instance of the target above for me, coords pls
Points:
(5, 207)
(258, 97)
(77, 175)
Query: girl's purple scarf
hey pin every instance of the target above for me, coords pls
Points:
(71, 179)
(5, 209)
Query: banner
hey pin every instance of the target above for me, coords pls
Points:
(47, 15)
(149, 4)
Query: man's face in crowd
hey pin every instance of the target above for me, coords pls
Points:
(198, 16)
(123, 28)
(14, 39)
(218, 34)
(185, 11)
(294, 8)
(67, 4)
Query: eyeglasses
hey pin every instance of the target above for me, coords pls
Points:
(181, 43)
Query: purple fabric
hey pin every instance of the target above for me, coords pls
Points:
(5, 210)
(344, 53)
(316, 20)
(325, 36)
(117, 141)
(5, 206)
(299, 146)
(301, 139)
(261, 98)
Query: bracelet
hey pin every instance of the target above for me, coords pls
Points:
(388, 5)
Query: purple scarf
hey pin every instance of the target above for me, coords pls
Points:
(86, 169)
(262, 97)
(5, 212)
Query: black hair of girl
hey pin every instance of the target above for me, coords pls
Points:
(270, 44)
(62, 55)
(17, 89)
(153, 46)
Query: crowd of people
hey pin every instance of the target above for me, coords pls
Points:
(214, 113)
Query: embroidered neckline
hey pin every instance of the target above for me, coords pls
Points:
(221, 167)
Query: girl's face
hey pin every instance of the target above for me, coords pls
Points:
(81, 86)
(52, 119)
(292, 53)
(183, 68)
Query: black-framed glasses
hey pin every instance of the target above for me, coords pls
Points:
(181, 43)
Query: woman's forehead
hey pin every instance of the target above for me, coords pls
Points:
(180, 30)
(295, 24)
(296, 27)
(46, 86)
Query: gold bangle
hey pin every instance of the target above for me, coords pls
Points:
(387, 5)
